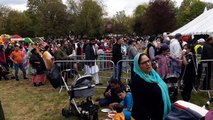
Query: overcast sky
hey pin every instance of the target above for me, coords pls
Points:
(112, 6)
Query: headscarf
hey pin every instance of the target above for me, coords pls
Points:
(154, 78)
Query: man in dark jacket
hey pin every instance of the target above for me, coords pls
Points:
(110, 94)
(116, 56)
(91, 67)
(206, 55)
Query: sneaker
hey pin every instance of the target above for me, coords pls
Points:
(17, 79)
(36, 85)
(26, 78)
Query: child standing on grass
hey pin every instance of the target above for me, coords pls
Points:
(119, 115)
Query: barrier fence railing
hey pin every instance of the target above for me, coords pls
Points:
(126, 69)
(105, 72)
(204, 81)
(206, 71)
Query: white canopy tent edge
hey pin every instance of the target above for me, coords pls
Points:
(203, 24)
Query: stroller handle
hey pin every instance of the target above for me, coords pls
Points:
(74, 72)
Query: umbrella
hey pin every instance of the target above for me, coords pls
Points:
(16, 36)
(3, 40)
(28, 40)
(6, 36)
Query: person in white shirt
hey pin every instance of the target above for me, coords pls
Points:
(176, 54)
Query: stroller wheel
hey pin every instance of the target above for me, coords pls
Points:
(66, 113)
(74, 110)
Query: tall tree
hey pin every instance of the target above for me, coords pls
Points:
(90, 22)
(121, 23)
(49, 17)
(159, 17)
(138, 18)
(189, 10)
(4, 11)
(18, 23)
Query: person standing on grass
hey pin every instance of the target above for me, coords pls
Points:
(38, 64)
(17, 57)
(48, 58)
(91, 68)
(117, 54)
(207, 54)
(131, 52)
(189, 72)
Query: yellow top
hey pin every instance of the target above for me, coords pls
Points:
(119, 116)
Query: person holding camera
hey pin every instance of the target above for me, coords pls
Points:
(189, 71)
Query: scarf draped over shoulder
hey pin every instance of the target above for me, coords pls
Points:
(153, 77)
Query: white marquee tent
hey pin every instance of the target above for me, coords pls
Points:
(203, 24)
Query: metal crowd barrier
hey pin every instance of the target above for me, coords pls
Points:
(126, 69)
(206, 67)
(205, 83)
(104, 73)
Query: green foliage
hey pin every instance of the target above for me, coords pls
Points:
(49, 17)
(140, 10)
(3, 18)
(18, 23)
(189, 10)
(53, 19)
(138, 19)
(89, 21)
(121, 23)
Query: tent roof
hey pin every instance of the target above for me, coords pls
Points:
(203, 24)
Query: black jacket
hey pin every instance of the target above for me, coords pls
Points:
(90, 54)
(40, 68)
(114, 97)
(207, 51)
(116, 53)
(147, 100)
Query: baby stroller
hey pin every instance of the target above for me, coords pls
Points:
(172, 82)
(82, 87)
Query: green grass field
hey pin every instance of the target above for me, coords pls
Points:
(22, 101)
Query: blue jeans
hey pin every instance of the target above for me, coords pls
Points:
(21, 66)
(176, 69)
(105, 101)
(118, 71)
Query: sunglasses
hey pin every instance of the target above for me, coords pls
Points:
(145, 62)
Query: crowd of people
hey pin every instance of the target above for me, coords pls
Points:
(154, 58)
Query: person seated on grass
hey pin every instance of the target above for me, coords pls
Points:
(119, 115)
(110, 95)
(127, 102)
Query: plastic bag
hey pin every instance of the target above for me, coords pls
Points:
(54, 76)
